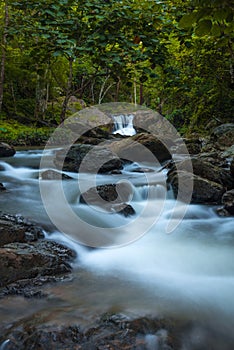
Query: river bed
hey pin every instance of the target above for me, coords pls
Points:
(188, 274)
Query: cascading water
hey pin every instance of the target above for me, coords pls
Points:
(187, 274)
(123, 124)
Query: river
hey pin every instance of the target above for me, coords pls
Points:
(188, 274)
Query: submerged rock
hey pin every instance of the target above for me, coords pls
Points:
(110, 332)
(6, 150)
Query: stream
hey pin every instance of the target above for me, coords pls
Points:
(188, 274)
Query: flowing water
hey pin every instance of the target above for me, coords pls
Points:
(123, 124)
(188, 274)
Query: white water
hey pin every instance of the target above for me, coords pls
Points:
(123, 124)
(187, 274)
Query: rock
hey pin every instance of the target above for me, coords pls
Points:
(109, 332)
(204, 191)
(17, 229)
(6, 150)
(232, 167)
(25, 257)
(53, 175)
(228, 153)
(206, 170)
(223, 136)
(2, 187)
(228, 201)
(142, 170)
(141, 147)
(97, 159)
(124, 209)
(28, 260)
(194, 146)
(110, 197)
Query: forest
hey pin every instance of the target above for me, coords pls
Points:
(58, 56)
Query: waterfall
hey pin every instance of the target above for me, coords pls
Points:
(123, 124)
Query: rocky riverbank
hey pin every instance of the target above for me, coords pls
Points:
(27, 260)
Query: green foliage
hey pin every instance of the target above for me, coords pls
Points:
(22, 135)
(175, 57)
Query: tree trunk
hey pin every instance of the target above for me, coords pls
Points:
(68, 91)
(3, 59)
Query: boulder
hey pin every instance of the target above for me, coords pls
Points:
(110, 197)
(204, 191)
(97, 159)
(25, 256)
(28, 260)
(6, 150)
(223, 136)
(17, 229)
(206, 170)
(141, 147)
(51, 174)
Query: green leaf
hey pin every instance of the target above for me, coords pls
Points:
(203, 27)
(188, 20)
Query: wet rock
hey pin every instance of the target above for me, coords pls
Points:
(20, 261)
(232, 167)
(110, 197)
(6, 150)
(223, 136)
(142, 170)
(194, 146)
(141, 147)
(110, 332)
(17, 229)
(53, 175)
(204, 191)
(206, 170)
(228, 201)
(228, 153)
(2, 187)
(98, 159)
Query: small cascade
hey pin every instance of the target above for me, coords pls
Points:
(123, 124)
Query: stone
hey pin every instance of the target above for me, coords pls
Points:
(141, 147)
(28, 260)
(223, 135)
(53, 175)
(2, 187)
(232, 167)
(204, 191)
(206, 170)
(228, 201)
(6, 150)
(110, 197)
(17, 229)
(87, 159)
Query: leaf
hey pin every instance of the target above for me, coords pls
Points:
(188, 20)
(203, 27)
